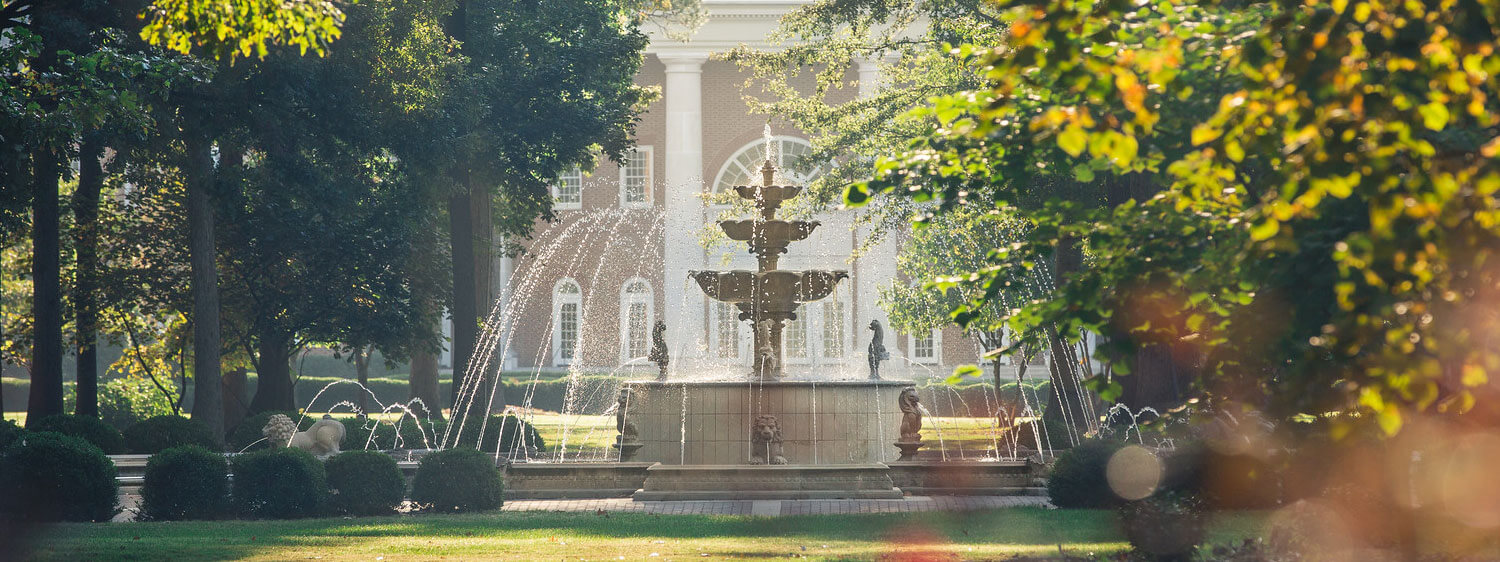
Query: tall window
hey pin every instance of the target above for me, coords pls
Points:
(833, 327)
(788, 152)
(726, 336)
(926, 348)
(567, 301)
(635, 178)
(635, 319)
(794, 336)
(567, 191)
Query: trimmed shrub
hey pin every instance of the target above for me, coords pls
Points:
(87, 428)
(457, 480)
(364, 483)
(186, 482)
(9, 432)
(154, 435)
(281, 483)
(1078, 477)
(506, 431)
(357, 434)
(49, 476)
(249, 430)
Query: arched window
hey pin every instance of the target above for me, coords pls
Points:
(636, 316)
(567, 304)
(744, 167)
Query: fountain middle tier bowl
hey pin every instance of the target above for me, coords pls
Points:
(776, 287)
(776, 234)
(820, 422)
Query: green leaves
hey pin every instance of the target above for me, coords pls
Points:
(234, 29)
(1073, 139)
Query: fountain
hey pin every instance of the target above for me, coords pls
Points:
(761, 434)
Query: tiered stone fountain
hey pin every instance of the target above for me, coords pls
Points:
(810, 438)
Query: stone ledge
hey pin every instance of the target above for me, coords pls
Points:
(767, 482)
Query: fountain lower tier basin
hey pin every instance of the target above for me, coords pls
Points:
(780, 482)
(710, 422)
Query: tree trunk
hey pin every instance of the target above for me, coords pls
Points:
(85, 301)
(274, 390)
(422, 383)
(362, 374)
(208, 398)
(1065, 407)
(236, 398)
(46, 351)
(471, 234)
(461, 240)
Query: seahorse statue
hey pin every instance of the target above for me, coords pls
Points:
(658, 353)
(877, 349)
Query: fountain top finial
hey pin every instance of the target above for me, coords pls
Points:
(768, 170)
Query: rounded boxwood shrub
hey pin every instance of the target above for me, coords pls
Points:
(48, 476)
(357, 433)
(1078, 476)
(281, 483)
(154, 435)
(186, 482)
(9, 433)
(87, 428)
(364, 483)
(249, 431)
(457, 480)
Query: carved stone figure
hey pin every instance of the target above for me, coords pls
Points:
(628, 441)
(911, 423)
(765, 441)
(626, 427)
(322, 439)
(911, 415)
(877, 349)
(658, 353)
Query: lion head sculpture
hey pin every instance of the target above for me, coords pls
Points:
(279, 430)
(911, 415)
(765, 441)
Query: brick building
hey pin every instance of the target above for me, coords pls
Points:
(593, 282)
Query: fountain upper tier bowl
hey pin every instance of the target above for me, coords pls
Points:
(768, 197)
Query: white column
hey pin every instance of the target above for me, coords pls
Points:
(877, 266)
(683, 96)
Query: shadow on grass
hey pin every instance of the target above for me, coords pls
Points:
(1024, 528)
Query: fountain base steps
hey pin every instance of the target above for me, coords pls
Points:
(767, 482)
(574, 480)
(967, 478)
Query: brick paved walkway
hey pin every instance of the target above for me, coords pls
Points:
(130, 501)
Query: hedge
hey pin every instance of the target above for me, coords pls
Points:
(90, 429)
(282, 483)
(457, 480)
(160, 433)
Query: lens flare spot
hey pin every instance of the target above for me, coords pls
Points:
(1134, 472)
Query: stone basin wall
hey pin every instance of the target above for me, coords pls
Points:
(822, 422)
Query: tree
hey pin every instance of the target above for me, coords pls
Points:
(510, 124)
(958, 242)
(1323, 213)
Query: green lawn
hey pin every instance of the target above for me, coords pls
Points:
(555, 536)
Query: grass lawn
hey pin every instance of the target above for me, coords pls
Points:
(556, 536)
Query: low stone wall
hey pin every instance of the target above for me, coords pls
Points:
(574, 480)
(966, 478)
(767, 482)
